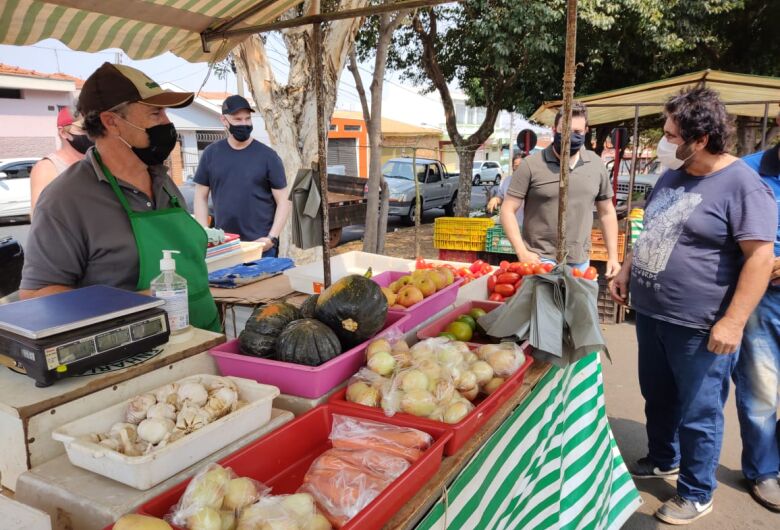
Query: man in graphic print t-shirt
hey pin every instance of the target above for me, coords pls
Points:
(697, 272)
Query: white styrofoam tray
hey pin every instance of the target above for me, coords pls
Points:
(143, 472)
(305, 278)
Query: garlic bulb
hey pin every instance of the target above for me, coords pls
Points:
(139, 406)
(167, 394)
(153, 430)
(193, 394)
(129, 447)
(221, 402)
(116, 429)
(222, 382)
(191, 419)
(162, 410)
(111, 443)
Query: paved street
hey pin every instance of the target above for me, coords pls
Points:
(734, 508)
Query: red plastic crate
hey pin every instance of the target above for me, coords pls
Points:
(466, 257)
(462, 430)
(432, 330)
(421, 311)
(281, 459)
(296, 379)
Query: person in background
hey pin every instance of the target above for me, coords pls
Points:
(534, 188)
(73, 142)
(696, 273)
(757, 375)
(500, 193)
(246, 179)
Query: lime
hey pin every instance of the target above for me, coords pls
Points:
(448, 335)
(460, 330)
(468, 320)
(477, 313)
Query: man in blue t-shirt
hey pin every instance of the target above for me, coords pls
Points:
(246, 179)
(757, 375)
(696, 273)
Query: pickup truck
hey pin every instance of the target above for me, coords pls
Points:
(437, 188)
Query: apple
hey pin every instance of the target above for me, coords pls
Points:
(389, 294)
(426, 286)
(410, 295)
(422, 273)
(397, 307)
(438, 279)
(448, 274)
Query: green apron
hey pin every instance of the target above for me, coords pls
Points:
(172, 229)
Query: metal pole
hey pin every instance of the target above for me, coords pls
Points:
(632, 177)
(322, 149)
(417, 208)
(616, 161)
(764, 125)
(511, 141)
(565, 125)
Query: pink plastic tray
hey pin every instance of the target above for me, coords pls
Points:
(422, 311)
(295, 379)
(436, 327)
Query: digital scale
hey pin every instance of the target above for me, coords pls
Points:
(68, 333)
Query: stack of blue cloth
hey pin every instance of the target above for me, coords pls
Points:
(246, 273)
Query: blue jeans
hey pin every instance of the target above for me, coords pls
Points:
(582, 266)
(685, 389)
(272, 253)
(756, 380)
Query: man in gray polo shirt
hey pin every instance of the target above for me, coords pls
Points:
(535, 186)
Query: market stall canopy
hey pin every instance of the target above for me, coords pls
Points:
(751, 93)
(142, 29)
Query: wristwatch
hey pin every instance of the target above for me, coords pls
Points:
(275, 241)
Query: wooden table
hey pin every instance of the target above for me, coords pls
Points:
(411, 513)
(29, 414)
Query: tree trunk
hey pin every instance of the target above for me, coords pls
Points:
(290, 111)
(466, 155)
(384, 208)
(748, 136)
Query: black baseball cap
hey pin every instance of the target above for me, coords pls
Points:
(233, 104)
(114, 84)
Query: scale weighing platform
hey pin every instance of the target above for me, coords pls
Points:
(68, 333)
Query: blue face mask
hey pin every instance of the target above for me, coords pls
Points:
(575, 143)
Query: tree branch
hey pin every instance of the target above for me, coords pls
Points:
(353, 67)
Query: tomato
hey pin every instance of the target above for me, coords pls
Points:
(514, 267)
(499, 272)
(548, 267)
(504, 265)
(577, 273)
(463, 272)
(526, 269)
(538, 268)
(505, 289)
(495, 297)
(491, 284)
(518, 285)
(591, 273)
(509, 277)
(477, 265)
(487, 268)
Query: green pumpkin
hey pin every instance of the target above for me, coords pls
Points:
(354, 307)
(309, 305)
(264, 326)
(308, 342)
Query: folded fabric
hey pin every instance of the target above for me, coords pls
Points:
(250, 272)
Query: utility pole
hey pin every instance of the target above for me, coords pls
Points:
(511, 139)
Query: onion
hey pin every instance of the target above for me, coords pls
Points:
(391, 401)
(403, 359)
(456, 411)
(400, 346)
(421, 350)
(483, 371)
(240, 492)
(414, 380)
(379, 345)
(449, 355)
(228, 519)
(209, 489)
(205, 519)
(443, 390)
(470, 394)
(134, 521)
(483, 351)
(430, 368)
(504, 362)
(470, 357)
(382, 363)
(493, 385)
(466, 381)
(363, 394)
(418, 403)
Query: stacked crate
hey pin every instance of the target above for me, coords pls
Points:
(460, 238)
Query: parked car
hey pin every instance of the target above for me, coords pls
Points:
(644, 181)
(15, 188)
(485, 171)
(437, 188)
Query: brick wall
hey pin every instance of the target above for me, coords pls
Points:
(22, 147)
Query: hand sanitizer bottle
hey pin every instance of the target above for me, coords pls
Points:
(172, 288)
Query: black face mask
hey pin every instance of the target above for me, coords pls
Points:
(576, 142)
(162, 140)
(80, 142)
(240, 132)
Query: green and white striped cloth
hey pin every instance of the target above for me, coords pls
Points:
(552, 464)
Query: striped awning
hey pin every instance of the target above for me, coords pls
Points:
(744, 95)
(141, 28)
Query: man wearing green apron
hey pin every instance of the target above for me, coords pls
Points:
(107, 219)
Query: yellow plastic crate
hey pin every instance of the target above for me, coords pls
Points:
(461, 233)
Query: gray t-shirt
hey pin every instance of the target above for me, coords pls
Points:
(536, 181)
(80, 233)
(687, 260)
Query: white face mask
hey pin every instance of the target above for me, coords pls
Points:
(667, 154)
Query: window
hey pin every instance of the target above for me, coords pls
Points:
(333, 127)
(352, 127)
(434, 175)
(460, 112)
(10, 93)
(18, 171)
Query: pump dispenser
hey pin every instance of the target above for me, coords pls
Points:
(172, 288)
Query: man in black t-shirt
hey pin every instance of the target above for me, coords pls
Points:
(246, 179)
